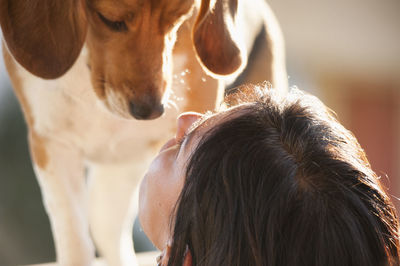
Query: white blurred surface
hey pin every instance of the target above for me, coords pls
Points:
(144, 259)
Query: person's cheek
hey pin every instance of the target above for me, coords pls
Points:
(157, 196)
(145, 208)
(148, 200)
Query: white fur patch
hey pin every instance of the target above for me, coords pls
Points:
(67, 110)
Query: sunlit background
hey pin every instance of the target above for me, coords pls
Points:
(345, 52)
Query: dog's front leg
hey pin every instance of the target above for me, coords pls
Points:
(60, 172)
(113, 207)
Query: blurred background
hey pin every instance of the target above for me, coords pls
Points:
(345, 52)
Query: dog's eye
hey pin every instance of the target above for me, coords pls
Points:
(119, 26)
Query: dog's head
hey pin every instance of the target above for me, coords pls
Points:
(130, 44)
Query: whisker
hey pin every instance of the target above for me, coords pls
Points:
(170, 103)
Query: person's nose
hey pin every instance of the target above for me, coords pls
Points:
(185, 120)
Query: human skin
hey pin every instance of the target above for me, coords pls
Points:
(163, 183)
(164, 180)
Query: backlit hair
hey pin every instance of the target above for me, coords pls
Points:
(282, 183)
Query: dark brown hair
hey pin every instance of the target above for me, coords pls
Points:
(282, 183)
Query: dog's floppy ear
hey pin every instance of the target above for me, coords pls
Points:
(44, 36)
(214, 37)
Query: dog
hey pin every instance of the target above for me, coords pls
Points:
(101, 83)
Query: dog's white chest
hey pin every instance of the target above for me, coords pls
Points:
(67, 109)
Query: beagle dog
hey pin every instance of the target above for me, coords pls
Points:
(101, 83)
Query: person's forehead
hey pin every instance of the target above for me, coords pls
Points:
(208, 122)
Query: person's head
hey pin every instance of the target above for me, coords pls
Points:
(268, 181)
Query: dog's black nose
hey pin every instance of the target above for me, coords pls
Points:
(145, 111)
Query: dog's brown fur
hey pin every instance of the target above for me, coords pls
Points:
(130, 44)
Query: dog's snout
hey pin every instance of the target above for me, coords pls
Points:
(145, 111)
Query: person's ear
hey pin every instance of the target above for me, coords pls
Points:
(163, 259)
(188, 260)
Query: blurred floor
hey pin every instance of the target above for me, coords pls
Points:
(144, 259)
